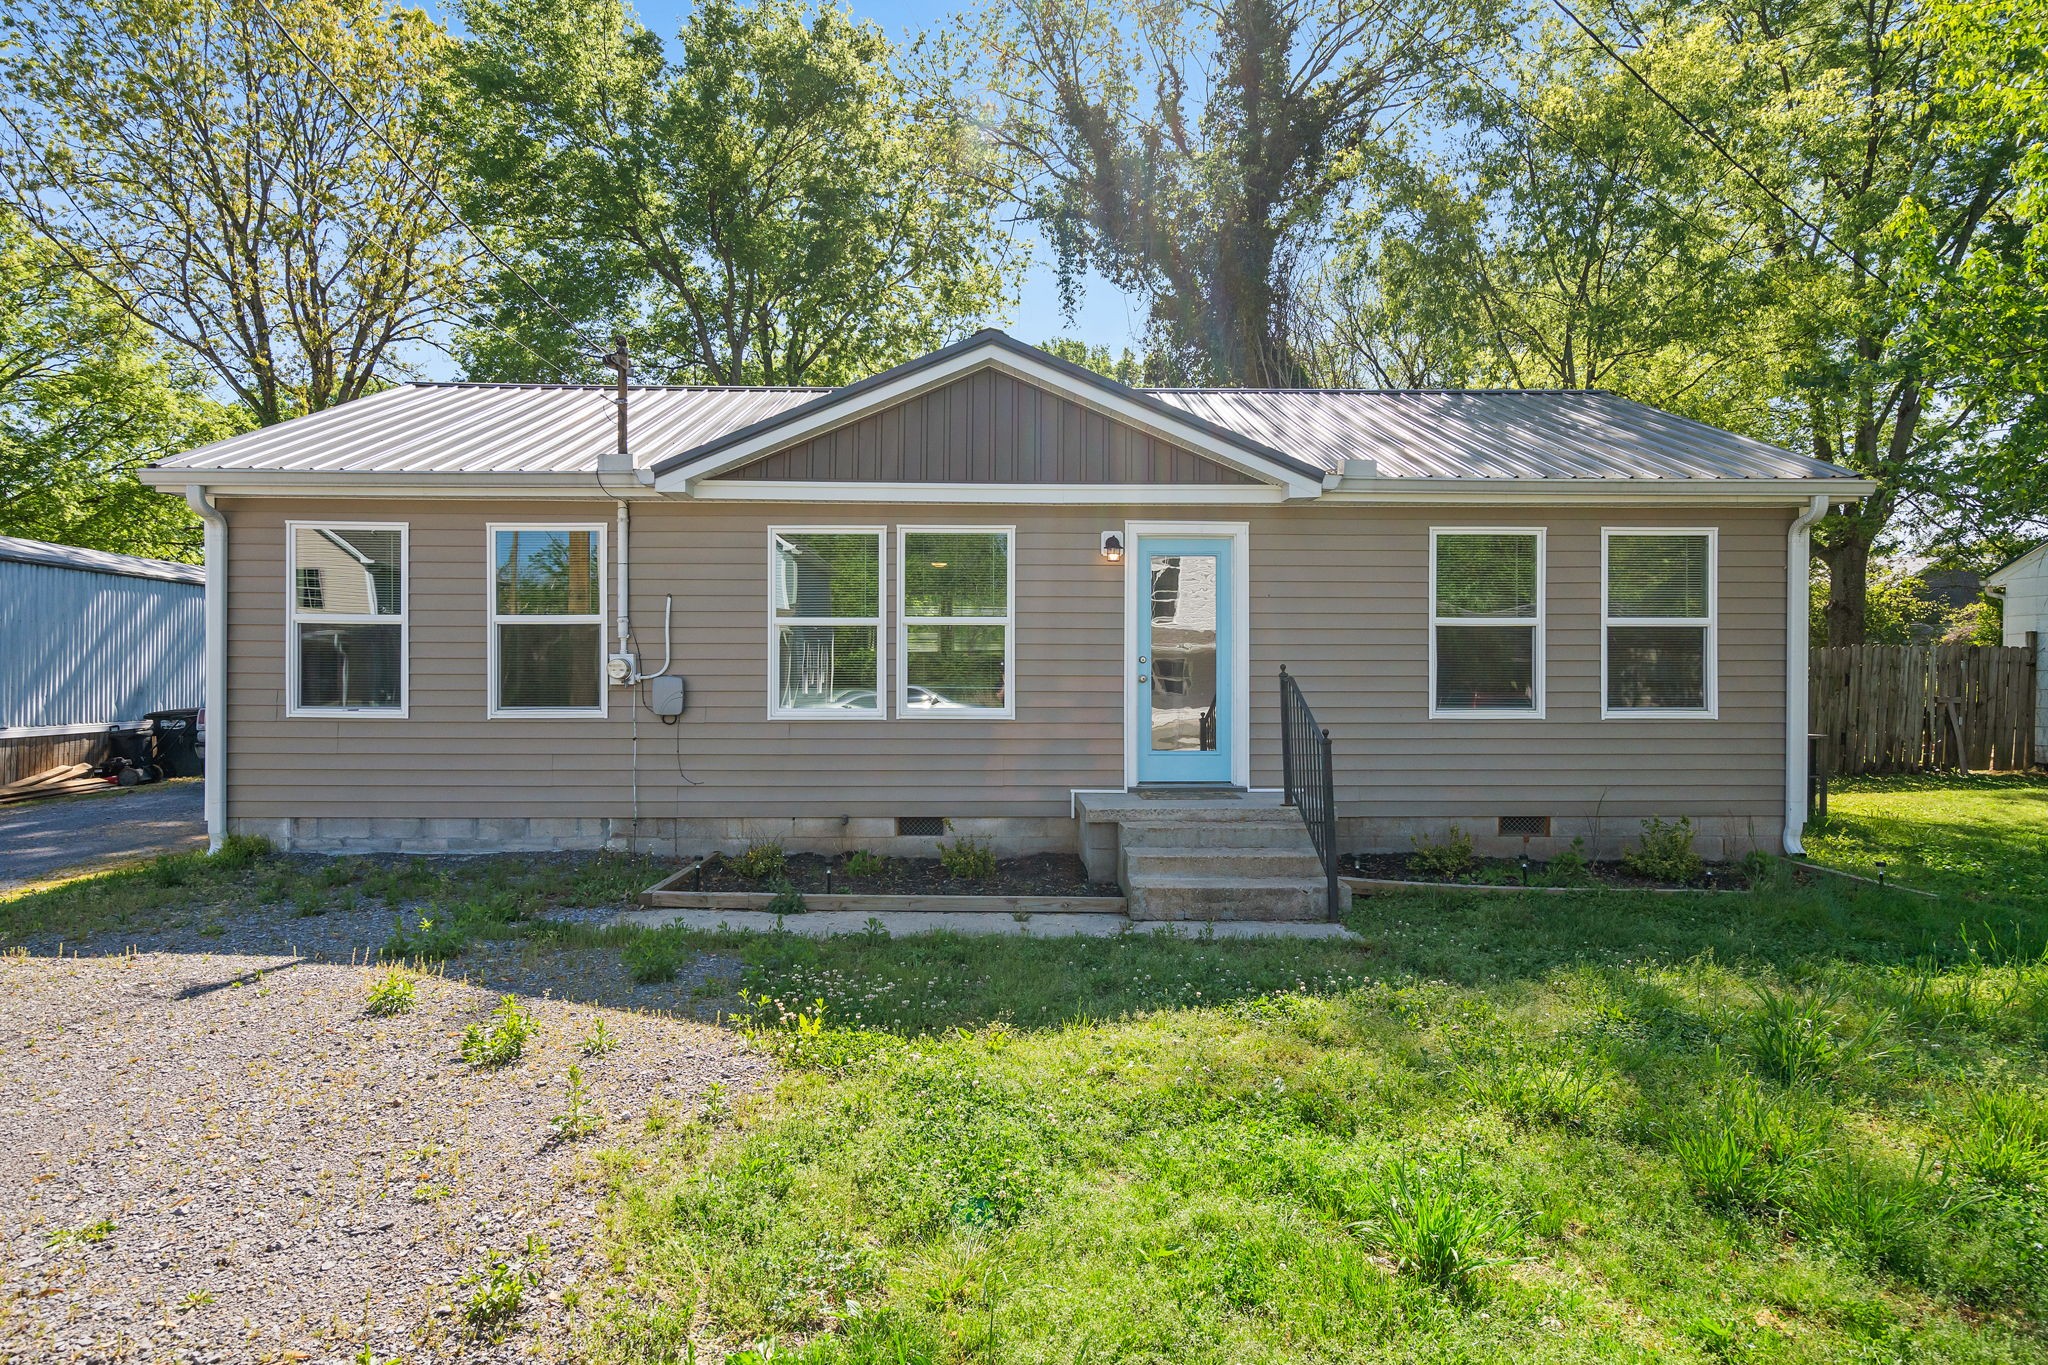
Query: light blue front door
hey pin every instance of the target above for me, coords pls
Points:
(1185, 639)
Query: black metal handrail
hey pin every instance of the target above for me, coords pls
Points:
(1308, 775)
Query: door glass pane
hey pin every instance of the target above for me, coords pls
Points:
(1183, 663)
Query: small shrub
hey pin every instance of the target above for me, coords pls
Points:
(861, 863)
(1450, 856)
(1665, 853)
(1436, 1228)
(582, 1117)
(393, 992)
(600, 1040)
(968, 860)
(503, 1039)
(238, 851)
(761, 861)
(2003, 1139)
(497, 1293)
(654, 956)
(788, 900)
(1568, 867)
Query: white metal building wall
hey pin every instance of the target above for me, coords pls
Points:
(81, 648)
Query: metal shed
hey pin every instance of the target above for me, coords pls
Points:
(90, 640)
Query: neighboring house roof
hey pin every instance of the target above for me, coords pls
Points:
(2006, 572)
(524, 429)
(97, 561)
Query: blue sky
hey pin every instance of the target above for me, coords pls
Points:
(1104, 315)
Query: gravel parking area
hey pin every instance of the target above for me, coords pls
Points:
(213, 1154)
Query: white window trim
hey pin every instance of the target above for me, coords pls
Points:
(879, 621)
(1541, 623)
(403, 621)
(493, 619)
(904, 621)
(1709, 624)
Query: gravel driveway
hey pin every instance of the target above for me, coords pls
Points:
(215, 1155)
(68, 832)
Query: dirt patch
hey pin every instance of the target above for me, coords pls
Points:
(219, 1157)
(1040, 874)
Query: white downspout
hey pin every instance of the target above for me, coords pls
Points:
(625, 588)
(1798, 612)
(216, 691)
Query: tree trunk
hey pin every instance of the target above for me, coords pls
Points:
(1848, 561)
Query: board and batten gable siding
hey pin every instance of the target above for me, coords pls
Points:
(1338, 594)
(989, 427)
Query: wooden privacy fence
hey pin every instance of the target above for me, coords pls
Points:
(1907, 708)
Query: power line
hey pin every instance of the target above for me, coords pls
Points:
(1707, 136)
(435, 190)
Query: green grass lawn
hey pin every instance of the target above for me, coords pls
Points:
(1805, 1123)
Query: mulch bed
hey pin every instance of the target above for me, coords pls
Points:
(1039, 874)
(1508, 872)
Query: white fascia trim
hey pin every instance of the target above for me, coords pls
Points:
(1598, 492)
(1239, 533)
(276, 483)
(990, 494)
(993, 357)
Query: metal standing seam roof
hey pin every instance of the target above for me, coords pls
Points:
(19, 551)
(485, 429)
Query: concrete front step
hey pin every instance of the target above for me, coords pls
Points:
(1294, 864)
(1199, 897)
(1287, 833)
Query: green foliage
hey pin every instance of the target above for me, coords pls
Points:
(1665, 853)
(1436, 1224)
(600, 1041)
(760, 861)
(861, 863)
(1568, 867)
(92, 1234)
(502, 1040)
(496, 1295)
(392, 991)
(580, 1117)
(1740, 1153)
(655, 955)
(238, 851)
(1798, 1039)
(787, 900)
(431, 939)
(1450, 856)
(2002, 1138)
(774, 204)
(968, 860)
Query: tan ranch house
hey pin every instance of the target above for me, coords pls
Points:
(994, 592)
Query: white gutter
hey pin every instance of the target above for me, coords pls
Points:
(1798, 610)
(216, 693)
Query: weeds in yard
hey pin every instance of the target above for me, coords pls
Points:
(760, 862)
(2002, 1139)
(176, 869)
(1568, 867)
(655, 955)
(1435, 1225)
(198, 1298)
(581, 1117)
(429, 940)
(503, 1039)
(1450, 856)
(1796, 1040)
(1664, 853)
(91, 1235)
(392, 991)
(600, 1040)
(1562, 1090)
(239, 851)
(968, 859)
(861, 863)
(1739, 1155)
(497, 1293)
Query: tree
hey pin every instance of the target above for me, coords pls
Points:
(776, 205)
(87, 398)
(1194, 154)
(192, 160)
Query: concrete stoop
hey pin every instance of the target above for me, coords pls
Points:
(1223, 856)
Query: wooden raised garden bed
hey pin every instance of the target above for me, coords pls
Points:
(690, 889)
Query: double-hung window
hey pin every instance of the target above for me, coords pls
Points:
(1657, 622)
(347, 588)
(957, 587)
(1486, 621)
(825, 622)
(547, 620)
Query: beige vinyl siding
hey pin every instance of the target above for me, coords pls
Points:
(989, 427)
(1338, 593)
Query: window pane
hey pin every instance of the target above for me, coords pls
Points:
(1485, 575)
(1486, 668)
(349, 665)
(543, 572)
(1657, 576)
(548, 667)
(947, 573)
(828, 573)
(346, 573)
(826, 668)
(955, 668)
(1651, 667)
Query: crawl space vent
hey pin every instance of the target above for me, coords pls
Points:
(920, 826)
(1525, 826)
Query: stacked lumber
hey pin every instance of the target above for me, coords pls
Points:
(63, 780)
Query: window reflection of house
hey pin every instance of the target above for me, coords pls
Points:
(1184, 653)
